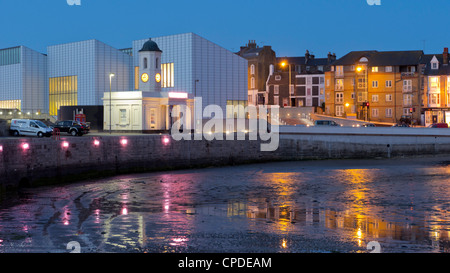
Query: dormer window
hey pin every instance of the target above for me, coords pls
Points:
(434, 63)
(278, 78)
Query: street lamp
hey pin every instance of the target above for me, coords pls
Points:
(283, 64)
(195, 89)
(111, 75)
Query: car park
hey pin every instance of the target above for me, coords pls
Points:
(29, 127)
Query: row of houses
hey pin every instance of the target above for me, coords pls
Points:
(380, 86)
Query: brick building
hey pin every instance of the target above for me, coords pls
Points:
(259, 61)
(298, 81)
(376, 86)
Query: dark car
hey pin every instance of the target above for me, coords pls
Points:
(325, 123)
(401, 125)
(72, 127)
(438, 125)
(368, 125)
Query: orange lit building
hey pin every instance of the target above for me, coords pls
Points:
(376, 86)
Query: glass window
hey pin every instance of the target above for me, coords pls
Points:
(388, 68)
(388, 112)
(123, 116)
(375, 69)
(145, 63)
(63, 91)
(388, 83)
(167, 75)
(339, 110)
(339, 97)
(276, 89)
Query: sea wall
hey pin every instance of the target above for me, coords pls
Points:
(47, 161)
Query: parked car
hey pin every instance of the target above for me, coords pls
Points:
(325, 123)
(368, 125)
(438, 125)
(401, 125)
(29, 127)
(72, 127)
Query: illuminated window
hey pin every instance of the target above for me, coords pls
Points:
(339, 84)
(237, 113)
(63, 91)
(167, 77)
(388, 68)
(434, 83)
(10, 104)
(136, 78)
(339, 110)
(375, 69)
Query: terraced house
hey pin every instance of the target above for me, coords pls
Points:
(376, 86)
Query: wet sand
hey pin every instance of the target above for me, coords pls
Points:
(302, 206)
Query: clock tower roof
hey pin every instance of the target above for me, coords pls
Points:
(150, 46)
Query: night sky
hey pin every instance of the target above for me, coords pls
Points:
(289, 26)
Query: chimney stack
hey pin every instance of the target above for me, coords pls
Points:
(307, 56)
(445, 55)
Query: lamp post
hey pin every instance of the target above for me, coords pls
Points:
(283, 64)
(111, 75)
(195, 89)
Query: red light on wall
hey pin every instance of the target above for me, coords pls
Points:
(65, 144)
(25, 146)
(1, 148)
(96, 142)
(165, 140)
(124, 142)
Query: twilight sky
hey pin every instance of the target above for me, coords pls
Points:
(289, 26)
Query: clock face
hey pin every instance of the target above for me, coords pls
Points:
(158, 77)
(144, 77)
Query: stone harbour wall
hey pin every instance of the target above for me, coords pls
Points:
(46, 161)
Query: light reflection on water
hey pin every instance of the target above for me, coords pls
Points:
(246, 208)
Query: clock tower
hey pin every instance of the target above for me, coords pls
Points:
(150, 67)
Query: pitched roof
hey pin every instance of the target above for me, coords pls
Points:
(250, 52)
(302, 61)
(442, 70)
(383, 58)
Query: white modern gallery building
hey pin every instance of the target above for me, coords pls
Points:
(177, 69)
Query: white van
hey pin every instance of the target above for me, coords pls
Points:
(29, 127)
